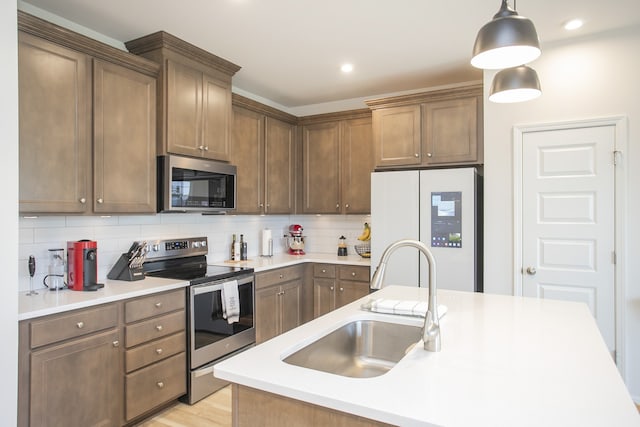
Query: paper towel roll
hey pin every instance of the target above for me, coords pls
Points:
(267, 243)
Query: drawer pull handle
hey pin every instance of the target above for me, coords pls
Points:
(353, 274)
(116, 343)
(160, 384)
(159, 351)
(341, 289)
(159, 328)
(158, 304)
(80, 325)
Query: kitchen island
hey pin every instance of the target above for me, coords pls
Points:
(504, 361)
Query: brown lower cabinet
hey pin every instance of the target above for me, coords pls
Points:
(253, 407)
(337, 285)
(106, 365)
(279, 301)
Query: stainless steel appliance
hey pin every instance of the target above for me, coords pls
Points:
(211, 337)
(186, 184)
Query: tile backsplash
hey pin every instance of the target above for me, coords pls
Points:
(115, 234)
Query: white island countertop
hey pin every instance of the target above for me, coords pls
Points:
(505, 361)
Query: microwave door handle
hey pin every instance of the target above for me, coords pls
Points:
(197, 290)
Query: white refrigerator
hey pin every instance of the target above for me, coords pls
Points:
(440, 207)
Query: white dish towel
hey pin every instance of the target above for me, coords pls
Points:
(402, 308)
(230, 301)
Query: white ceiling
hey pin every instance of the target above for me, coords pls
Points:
(290, 51)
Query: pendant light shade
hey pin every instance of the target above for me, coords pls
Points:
(506, 41)
(515, 84)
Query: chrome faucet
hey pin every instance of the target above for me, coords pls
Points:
(431, 329)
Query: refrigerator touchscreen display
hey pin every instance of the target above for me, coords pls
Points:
(446, 219)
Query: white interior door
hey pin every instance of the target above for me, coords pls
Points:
(568, 219)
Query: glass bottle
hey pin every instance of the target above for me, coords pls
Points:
(233, 248)
(243, 248)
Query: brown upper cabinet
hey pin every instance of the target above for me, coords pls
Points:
(440, 127)
(87, 124)
(195, 115)
(337, 161)
(263, 150)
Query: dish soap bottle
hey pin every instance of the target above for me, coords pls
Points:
(342, 246)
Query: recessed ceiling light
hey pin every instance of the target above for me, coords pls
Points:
(346, 68)
(574, 24)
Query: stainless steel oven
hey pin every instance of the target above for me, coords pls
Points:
(211, 337)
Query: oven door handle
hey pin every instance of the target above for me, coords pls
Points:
(197, 290)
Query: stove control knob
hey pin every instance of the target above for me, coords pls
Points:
(203, 243)
(196, 244)
(155, 247)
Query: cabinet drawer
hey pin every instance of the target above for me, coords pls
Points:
(324, 270)
(155, 385)
(352, 272)
(279, 275)
(78, 323)
(153, 305)
(155, 351)
(154, 328)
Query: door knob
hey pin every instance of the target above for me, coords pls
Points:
(531, 271)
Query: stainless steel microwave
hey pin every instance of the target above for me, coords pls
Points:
(187, 184)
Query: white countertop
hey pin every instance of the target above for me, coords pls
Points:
(505, 361)
(259, 263)
(51, 302)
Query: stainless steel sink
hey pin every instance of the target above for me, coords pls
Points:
(360, 349)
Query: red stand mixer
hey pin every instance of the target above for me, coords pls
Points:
(295, 240)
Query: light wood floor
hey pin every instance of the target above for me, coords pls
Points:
(212, 411)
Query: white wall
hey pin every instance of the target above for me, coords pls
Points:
(591, 77)
(9, 215)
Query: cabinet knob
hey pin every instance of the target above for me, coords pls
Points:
(83, 200)
(353, 274)
(80, 325)
(160, 384)
(282, 276)
(429, 155)
(158, 304)
(337, 205)
(416, 155)
(201, 148)
(206, 148)
(116, 343)
(346, 206)
(158, 351)
(341, 289)
(159, 328)
(261, 205)
(100, 201)
(324, 271)
(331, 288)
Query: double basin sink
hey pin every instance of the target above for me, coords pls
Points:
(362, 348)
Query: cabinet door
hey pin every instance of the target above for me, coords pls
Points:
(451, 131)
(396, 135)
(267, 313)
(278, 166)
(357, 165)
(216, 118)
(321, 152)
(323, 296)
(55, 127)
(290, 305)
(124, 140)
(183, 109)
(66, 374)
(348, 291)
(247, 157)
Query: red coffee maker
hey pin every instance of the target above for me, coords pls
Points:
(82, 264)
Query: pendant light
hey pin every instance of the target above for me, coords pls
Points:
(515, 84)
(508, 40)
